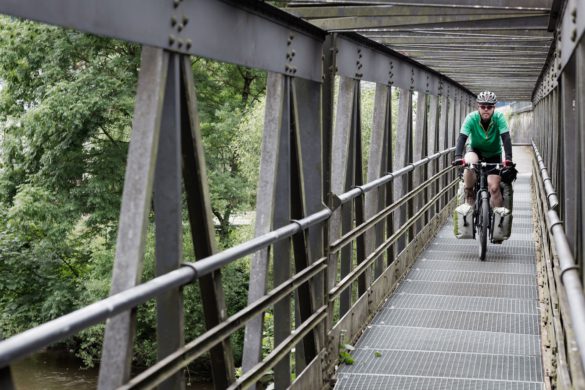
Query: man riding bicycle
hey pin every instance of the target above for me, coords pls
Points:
(484, 128)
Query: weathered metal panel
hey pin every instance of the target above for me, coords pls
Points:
(168, 220)
(136, 197)
(242, 32)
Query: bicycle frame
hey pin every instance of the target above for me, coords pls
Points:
(482, 212)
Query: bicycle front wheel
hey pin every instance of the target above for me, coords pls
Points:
(484, 218)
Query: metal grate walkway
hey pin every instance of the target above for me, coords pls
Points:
(456, 322)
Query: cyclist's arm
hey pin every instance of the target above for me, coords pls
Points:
(507, 142)
(460, 146)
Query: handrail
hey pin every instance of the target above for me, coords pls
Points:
(23, 344)
(569, 274)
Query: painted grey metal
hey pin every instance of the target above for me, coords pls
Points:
(443, 136)
(433, 145)
(569, 271)
(364, 60)
(340, 161)
(571, 29)
(306, 176)
(243, 32)
(168, 220)
(571, 143)
(580, 85)
(486, 4)
(182, 357)
(136, 203)
(282, 215)
(402, 156)
(420, 144)
(381, 131)
(264, 214)
(202, 229)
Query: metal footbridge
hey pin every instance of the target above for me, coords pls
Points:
(455, 322)
(353, 256)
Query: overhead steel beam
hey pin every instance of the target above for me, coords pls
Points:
(462, 40)
(446, 21)
(359, 58)
(335, 11)
(535, 32)
(245, 32)
(487, 4)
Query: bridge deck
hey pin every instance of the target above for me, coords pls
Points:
(457, 322)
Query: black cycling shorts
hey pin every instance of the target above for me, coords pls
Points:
(492, 160)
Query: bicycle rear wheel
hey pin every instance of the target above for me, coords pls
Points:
(484, 217)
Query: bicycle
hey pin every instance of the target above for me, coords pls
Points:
(483, 216)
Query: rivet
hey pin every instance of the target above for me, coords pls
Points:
(188, 44)
(185, 20)
(176, 3)
(291, 37)
(171, 40)
(294, 70)
(179, 27)
(286, 68)
(173, 21)
(574, 35)
(574, 15)
(179, 43)
(292, 54)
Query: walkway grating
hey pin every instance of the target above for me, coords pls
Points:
(455, 322)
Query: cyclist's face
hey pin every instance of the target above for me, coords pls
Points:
(485, 110)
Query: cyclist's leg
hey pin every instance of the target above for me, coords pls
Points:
(469, 178)
(496, 198)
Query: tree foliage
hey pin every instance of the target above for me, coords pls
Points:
(66, 105)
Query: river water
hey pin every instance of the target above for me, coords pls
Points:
(60, 371)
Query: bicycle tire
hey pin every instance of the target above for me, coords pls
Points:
(483, 228)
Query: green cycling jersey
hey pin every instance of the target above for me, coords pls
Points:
(485, 141)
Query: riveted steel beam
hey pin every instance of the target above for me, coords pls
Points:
(365, 11)
(486, 4)
(362, 59)
(571, 29)
(244, 32)
(500, 21)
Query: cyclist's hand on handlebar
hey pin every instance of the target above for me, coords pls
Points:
(458, 162)
(509, 163)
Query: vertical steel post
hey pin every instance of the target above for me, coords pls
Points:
(265, 198)
(378, 149)
(580, 252)
(168, 220)
(570, 156)
(402, 156)
(342, 161)
(136, 204)
(420, 151)
(443, 99)
(433, 147)
(202, 230)
(281, 270)
(308, 199)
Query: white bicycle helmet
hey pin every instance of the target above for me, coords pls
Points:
(487, 97)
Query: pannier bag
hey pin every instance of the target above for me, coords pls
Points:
(508, 195)
(463, 221)
(502, 224)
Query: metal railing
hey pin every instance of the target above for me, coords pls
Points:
(563, 298)
(23, 344)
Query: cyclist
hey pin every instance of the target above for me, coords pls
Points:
(487, 131)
